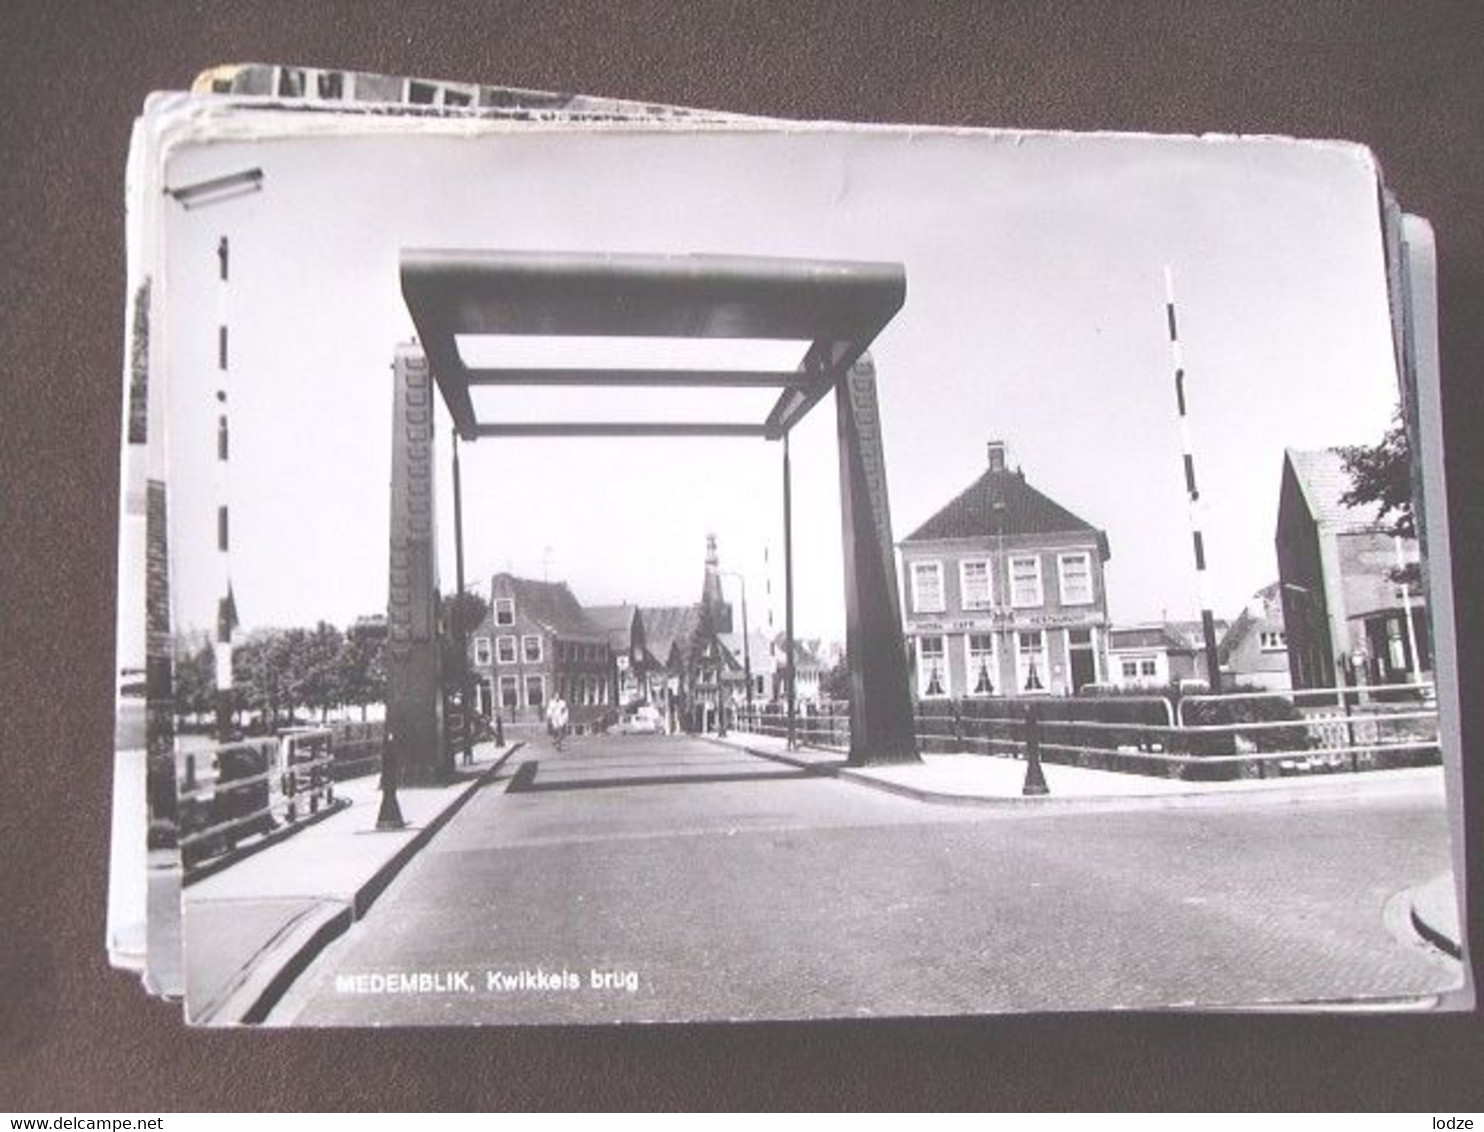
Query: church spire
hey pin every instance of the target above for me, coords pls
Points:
(714, 608)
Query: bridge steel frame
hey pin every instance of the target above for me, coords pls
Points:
(837, 307)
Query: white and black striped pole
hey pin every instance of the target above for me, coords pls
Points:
(226, 616)
(212, 191)
(1192, 490)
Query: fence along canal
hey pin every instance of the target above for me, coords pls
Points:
(1196, 737)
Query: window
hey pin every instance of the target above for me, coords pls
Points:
(1030, 660)
(973, 576)
(504, 611)
(535, 691)
(530, 648)
(1149, 667)
(932, 667)
(1076, 578)
(1272, 641)
(509, 692)
(1130, 669)
(290, 83)
(482, 653)
(1025, 581)
(981, 669)
(927, 587)
(1396, 649)
(505, 650)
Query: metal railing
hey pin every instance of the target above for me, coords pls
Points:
(1200, 737)
(824, 724)
(235, 791)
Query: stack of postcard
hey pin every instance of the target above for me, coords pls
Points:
(584, 561)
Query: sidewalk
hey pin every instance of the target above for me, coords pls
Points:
(250, 929)
(983, 780)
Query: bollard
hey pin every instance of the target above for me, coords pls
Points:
(500, 727)
(1035, 781)
(289, 779)
(389, 817)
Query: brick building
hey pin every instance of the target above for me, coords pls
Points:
(536, 640)
(1004, 592)
(1343, 610)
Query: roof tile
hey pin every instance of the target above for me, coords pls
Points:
(1001, 503)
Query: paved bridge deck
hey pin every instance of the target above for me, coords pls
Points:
(692, 881)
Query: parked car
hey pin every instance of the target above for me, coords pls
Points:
(642, 720)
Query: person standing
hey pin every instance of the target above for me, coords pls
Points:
(556, 719)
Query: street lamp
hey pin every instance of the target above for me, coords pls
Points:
(1406, 595)
(746, 643)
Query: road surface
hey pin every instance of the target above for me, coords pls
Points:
(669, 878)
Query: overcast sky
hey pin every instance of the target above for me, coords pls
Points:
(1034, 314)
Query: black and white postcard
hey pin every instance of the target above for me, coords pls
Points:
(627, 570)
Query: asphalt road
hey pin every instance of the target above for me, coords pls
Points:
(689, 881)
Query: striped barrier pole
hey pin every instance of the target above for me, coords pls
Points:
(1192, 491)
(226, 618)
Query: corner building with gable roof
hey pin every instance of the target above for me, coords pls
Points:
(1003, 593)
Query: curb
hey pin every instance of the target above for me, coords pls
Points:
(1285, 793)
(1432, 927)
(304, 938)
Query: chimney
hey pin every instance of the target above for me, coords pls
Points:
(998, 456)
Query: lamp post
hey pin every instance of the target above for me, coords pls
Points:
(466, 678)
(746, 643)
(788, 596)
(1406, 587)
(999, 570)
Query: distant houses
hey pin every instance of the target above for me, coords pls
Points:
(688, 661)
(1003, 592)
(624, 628)
(1346, 616)
(1158, 654)
(1254, 649)
(535, 640)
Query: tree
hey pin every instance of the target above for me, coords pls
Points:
(195, 681)
(319, 667)
(1381, 474)
(462, 614)
(260, 675)
(836, 683)
(362, 663)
